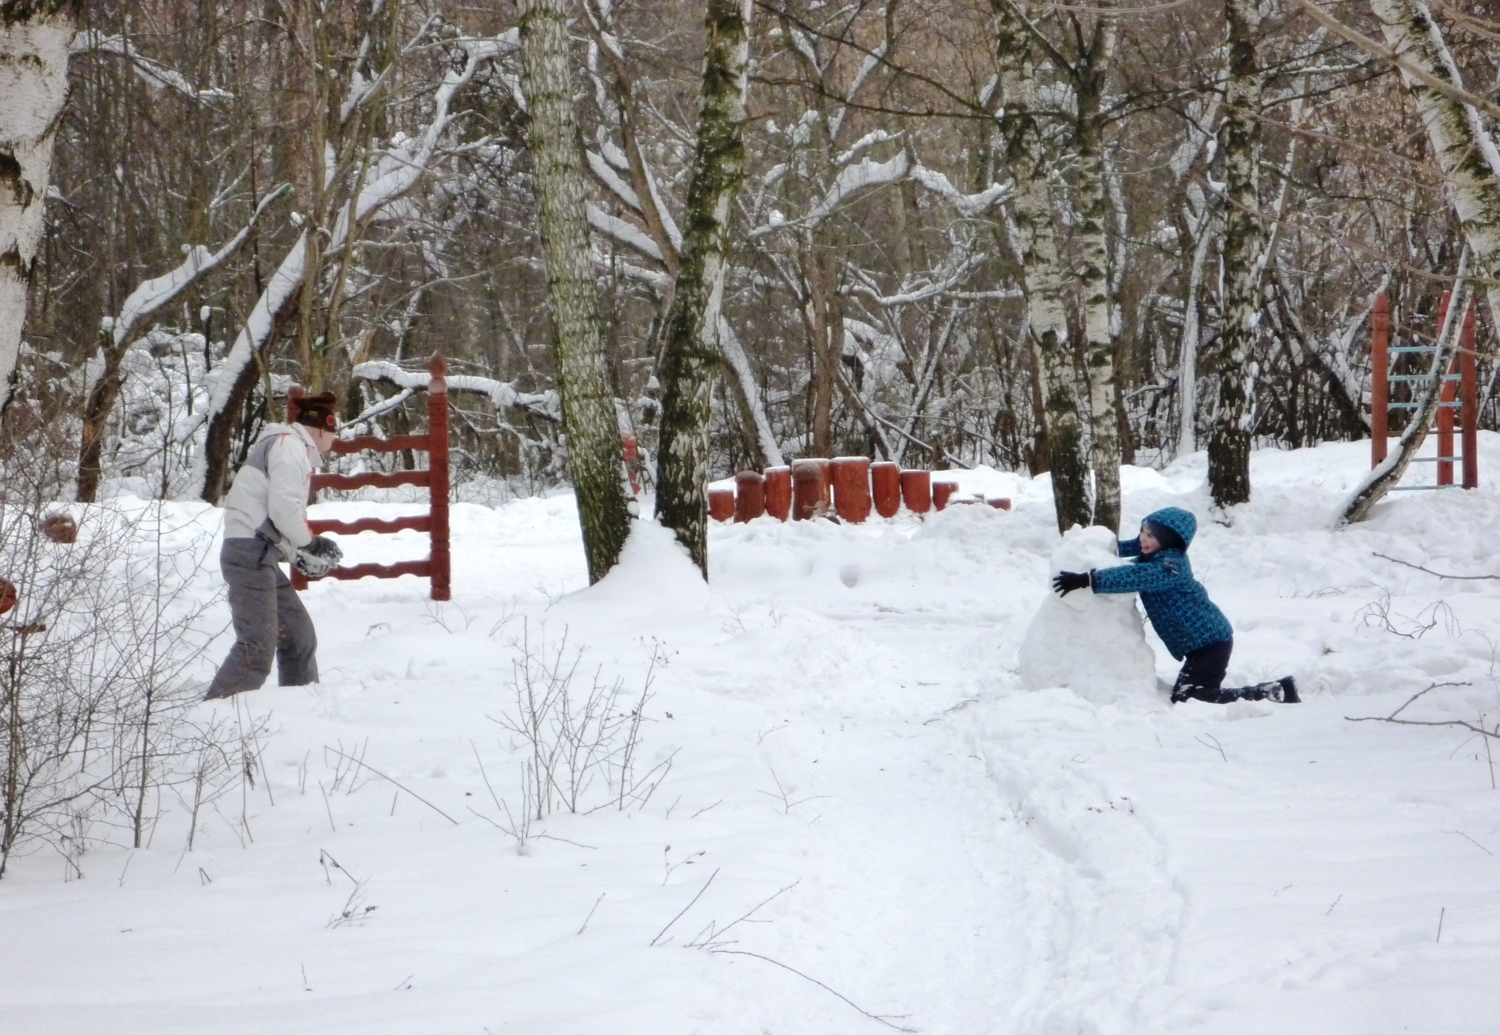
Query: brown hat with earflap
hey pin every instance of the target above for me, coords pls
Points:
(317, 411)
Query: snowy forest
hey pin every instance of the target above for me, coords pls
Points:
(1035, 236)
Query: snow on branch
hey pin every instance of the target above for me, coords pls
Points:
(625, 232)
(151, 295)
(502, 394)
(850, 180)
(967, 204)
(92, 41)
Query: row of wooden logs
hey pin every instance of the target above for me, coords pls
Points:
(847, 486)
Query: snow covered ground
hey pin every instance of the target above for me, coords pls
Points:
(930, 847)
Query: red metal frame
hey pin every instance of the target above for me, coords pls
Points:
(438, 567)
(1460, 397)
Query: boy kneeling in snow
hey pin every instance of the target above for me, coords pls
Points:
(1194, 630)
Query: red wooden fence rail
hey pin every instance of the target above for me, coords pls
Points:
(438, 567)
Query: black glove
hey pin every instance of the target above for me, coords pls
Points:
(320, 556)
(1065, 582)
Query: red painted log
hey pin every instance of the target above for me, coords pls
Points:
(809, 491)
(916, 491)
(721, 504)
(749, 496)
(1468, 367)
(8, 595)
(885, 487)
(779, 492)
(999, 503)
(371, 444)
(851, 488)
(941, 491)
(422, 569)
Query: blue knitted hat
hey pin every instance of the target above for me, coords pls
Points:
(1181, 524)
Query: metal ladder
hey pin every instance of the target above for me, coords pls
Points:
(1460, 396)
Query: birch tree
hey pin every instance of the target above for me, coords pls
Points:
(583, 380)
(692, 346)
(35, 39)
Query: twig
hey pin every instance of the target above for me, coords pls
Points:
(1441, 913)
(715, 935)
(331, 824)
(1215, 744)
(1471, 841)
(591, 911)
(685, 908)
(1441, 575)
(1421, 722)
(365, 765)
(1419, 693)
(706, 808)
(1335, 902)
(805, 977)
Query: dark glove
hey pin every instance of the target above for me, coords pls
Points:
(320, 556)
(1065, 582)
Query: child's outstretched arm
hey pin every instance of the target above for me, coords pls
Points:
(1166, 574)
(1129, 547)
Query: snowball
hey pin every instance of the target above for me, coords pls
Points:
(1092, 643)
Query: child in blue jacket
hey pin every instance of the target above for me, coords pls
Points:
(1193, 629)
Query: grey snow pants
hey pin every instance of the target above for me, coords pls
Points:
(269, 620)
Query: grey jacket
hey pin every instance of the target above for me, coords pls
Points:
(269, 495)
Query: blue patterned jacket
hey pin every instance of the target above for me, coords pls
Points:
(1177, 604)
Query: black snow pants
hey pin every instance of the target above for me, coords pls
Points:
(269, 620)
(1202, 678)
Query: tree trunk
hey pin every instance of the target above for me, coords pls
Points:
(583, 378)
(1099, 323)
(692, 348)
(35, 36)
(1244, 243)
(1045, 278)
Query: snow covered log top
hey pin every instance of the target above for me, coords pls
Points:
(1093, 644)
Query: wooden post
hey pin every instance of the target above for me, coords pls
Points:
(808, 489)
(779, 492)
(437, 478)
(721, 504)
(1380, 372)
(851, 488)
(1468, 366)
(940, 493)
(885, 487)
(630, 451)
(916, 491)
(749, 496)
(999, 502)
(1446, 394)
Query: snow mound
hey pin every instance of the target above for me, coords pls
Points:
(1093, 644)
(654, 584)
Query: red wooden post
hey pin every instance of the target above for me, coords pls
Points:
(779, 492)
(721, 504)
(1446, 394)
(999, 503)
(437, 484)
(885, 486)
(916, 491)
(749, 496)
(851, 488)
(1468, 366)
(631, 453)
(809, 490)
(940, 493)
(1380, 372)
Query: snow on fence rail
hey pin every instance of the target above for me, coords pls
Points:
(848, 486)
(438, 566)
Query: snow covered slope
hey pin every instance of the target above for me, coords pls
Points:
(867, 823)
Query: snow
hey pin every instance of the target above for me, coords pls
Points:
(1092, 643)
(853, 748)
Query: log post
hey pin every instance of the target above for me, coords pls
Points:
(779, 492)
(721, 504)
(1380, 372)
(916, 491)
(885, 487)
(940, 493)
(851, 488)
(808, 489)
(437, 484)
(749, 496)
(999, 503)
